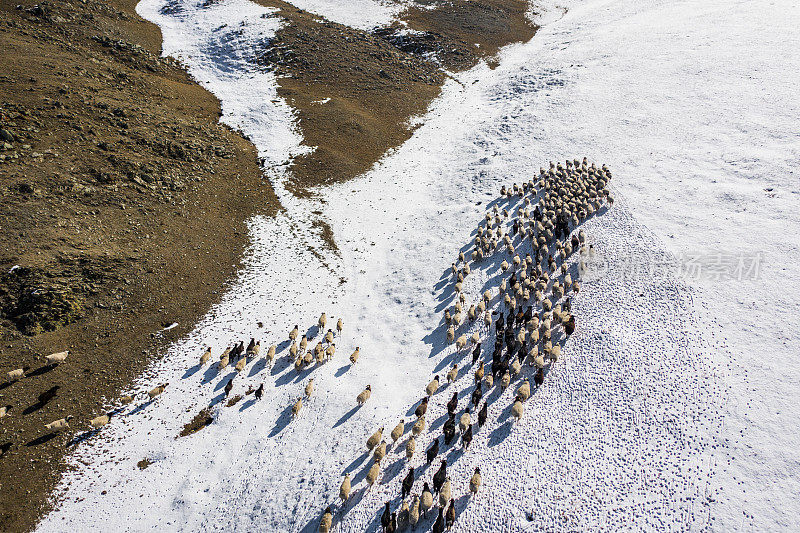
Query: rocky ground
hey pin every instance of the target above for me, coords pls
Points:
(123, 201)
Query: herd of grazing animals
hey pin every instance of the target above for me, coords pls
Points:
(542, 215)
(534, 292)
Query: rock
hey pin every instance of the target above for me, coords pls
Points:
(6, 135)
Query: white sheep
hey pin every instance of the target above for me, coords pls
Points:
(397, 432)
(339, 326)
(364, 396)
(241, 364)
(505, 381)
(56, 358)
(461, 342)
(444, 493)
(206, 356)
(451, 334)
(475, 339)
(504, 265)
(433, 386)
(4, 410)
(271, 354)
(452, 374)
(411, 446)
(100, 421)
(329, 336)
(303, 343)
(524, 390)
(354, 356)
(418, 427)
(294, 333)
(380, 452)
(14, 375)
(326, 522)
(413, 514)
(374, 439)
(465, 421)
(427, 502)
(322, 321)
(487, 319)
(310, 388)
(293, 349)
(157, 391)
(475, 481)
(330, 352)
(298, 405)
(344, 489)
(487, 296)
(372, 475)
(60, 424)
(517, 409)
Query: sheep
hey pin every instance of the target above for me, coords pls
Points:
(100, 421)
(354, 356)
(411, 446)
(422, 408)
(403, 517)
(505, 381)
(364, 396)
(309, 358)
(298, 364)
(413, 514)
(450, 514)
(374, 439)
(380, 452)
(516, 367)
(516, 409)
(419, 426)
(271, 354)
(386, 518)
(475, 481)
(372, 475)
(293, 349)
(433, 386)
(4, 410)
(296, 407)
(224, 360)
(503, 286)
(309, 388)
(331, 351)
(475, 339)
(487, 319)
(489, 380)
(14, 375)
(206, 356)
(487, 296)
(60, 424)
(156, 391)
(125, 400)
(427, 499)
(524, 391)
(555, 352)
(472, 314)
(323, 319)
(465, 421)
(444, 493)
(504, 265)
(479, 373)
(321, 357)
(228, 387)
(456, 320)
(339, 326)
(294, 333)
(451, 334)
(327, 521)
(56, 358)
(329, 336)
(260, 392)
(241, 364)
(397, 432)
(461, 342)
(255, 348)
(452, 374)
(303, 343)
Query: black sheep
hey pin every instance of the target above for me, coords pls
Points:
(477, 394)
(433, 451)
(538, 378)
(393, 524)
(569, 327)
(452, 405)
(449, 429)
(450, 515)
(440, 476)
(386, 517)
(228, 387)
(482, 415)
(476, 353)
(408, 483)
(438, 526)
(467, 436)
(260, 392)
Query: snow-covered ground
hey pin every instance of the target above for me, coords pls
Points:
(674, 405)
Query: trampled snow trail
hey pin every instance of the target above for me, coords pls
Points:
(690, 104)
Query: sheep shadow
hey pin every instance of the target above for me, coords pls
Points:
(393, 470)
(86, 435)
(192, 371)
(345, 417)
(42, 439)
(33, 408)
(352, 466)
(500, 433)
(361, 475)
(41, 370)
(224, 381)
(249, 403)
(141, 407)
(258, 367)
(341, 370)
(439, 422)
(210, 373)
(284, 419)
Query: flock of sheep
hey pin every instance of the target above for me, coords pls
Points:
(532, 310)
